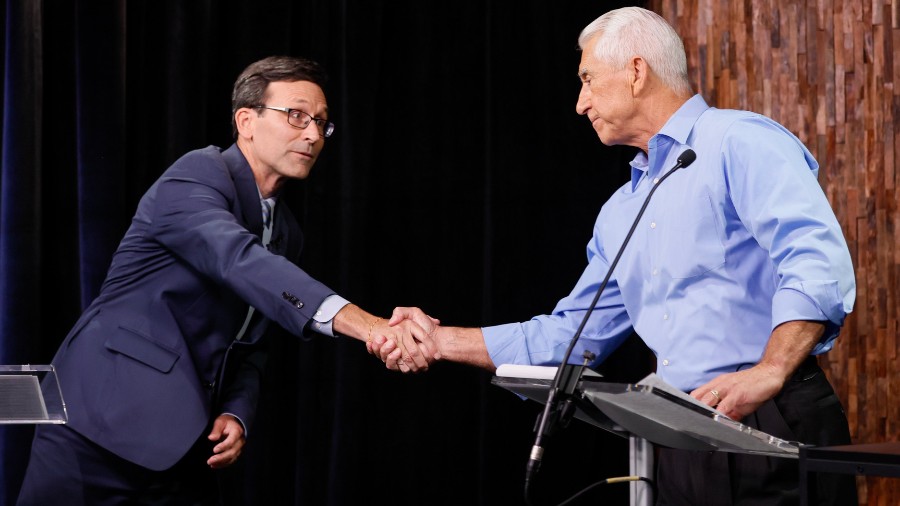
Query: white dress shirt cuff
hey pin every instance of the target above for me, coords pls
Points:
(323, 320)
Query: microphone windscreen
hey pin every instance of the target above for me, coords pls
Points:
(687, 158)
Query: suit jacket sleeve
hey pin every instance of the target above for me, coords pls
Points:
(197, 219)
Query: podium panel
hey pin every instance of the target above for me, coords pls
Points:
(652, 410)
(536, 389)
(30, 394)
(665, 419)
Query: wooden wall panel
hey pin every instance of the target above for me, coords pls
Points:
(829, 70)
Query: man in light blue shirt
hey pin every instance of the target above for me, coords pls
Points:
(736, 275)
(728, 249)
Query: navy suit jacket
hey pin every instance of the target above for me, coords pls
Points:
(143, 371)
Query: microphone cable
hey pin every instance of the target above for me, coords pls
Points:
(620, 479)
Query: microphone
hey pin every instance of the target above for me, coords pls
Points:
(567, 375)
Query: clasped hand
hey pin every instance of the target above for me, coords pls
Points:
(407, 341)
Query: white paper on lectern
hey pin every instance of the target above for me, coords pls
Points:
(544, 372)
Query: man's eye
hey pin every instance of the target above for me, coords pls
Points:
(296, 114)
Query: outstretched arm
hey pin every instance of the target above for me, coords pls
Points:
(455, 344)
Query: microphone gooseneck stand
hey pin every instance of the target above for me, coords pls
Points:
(559, 408)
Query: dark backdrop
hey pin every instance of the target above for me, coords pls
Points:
(459, 180)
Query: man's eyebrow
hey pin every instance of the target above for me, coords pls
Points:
(303, 101)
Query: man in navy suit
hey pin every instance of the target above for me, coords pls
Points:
(161, 373)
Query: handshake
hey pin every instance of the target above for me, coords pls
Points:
(408, 342)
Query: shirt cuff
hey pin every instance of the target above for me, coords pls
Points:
(504, 343)
(792, 305)
(323, 319)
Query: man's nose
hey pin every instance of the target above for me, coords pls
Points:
(584, 100)
(311, 132)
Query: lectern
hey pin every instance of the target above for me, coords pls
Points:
(30, 394)
(648, 412)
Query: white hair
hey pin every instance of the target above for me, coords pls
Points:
(632, 31)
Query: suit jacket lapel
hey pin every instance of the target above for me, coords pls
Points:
(286, 237)
(247, 194)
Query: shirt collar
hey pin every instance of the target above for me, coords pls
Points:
(271, 199)
(638, 168)
(268, 208)
(682, 122)
(677, 128)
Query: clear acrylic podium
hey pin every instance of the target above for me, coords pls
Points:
(30, 394)
(649, 412)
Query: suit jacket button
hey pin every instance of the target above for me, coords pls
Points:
(288, 296)
(208, 384)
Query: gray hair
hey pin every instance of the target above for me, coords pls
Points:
(632, 31)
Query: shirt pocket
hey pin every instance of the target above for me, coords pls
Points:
(691, 243)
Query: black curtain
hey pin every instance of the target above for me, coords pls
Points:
(459, 180)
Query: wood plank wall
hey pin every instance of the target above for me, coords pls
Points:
(828, 71)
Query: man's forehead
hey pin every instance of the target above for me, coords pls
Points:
(296, 87)
(587, 58)
(587, 48)
(588, 62)
(298, 92)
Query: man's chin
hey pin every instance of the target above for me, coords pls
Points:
(301, 170)
(606, 139)
(302, 174)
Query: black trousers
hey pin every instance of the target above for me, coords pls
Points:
(67, 469)
(806, 410)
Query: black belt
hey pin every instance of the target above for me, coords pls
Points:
(807, 369)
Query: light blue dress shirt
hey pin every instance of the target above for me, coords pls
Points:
(728, 248)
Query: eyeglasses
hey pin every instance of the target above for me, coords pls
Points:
(299, 119)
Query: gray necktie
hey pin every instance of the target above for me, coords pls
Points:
(267, 205)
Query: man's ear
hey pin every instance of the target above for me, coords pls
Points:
(639, 75)
(244, 120)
